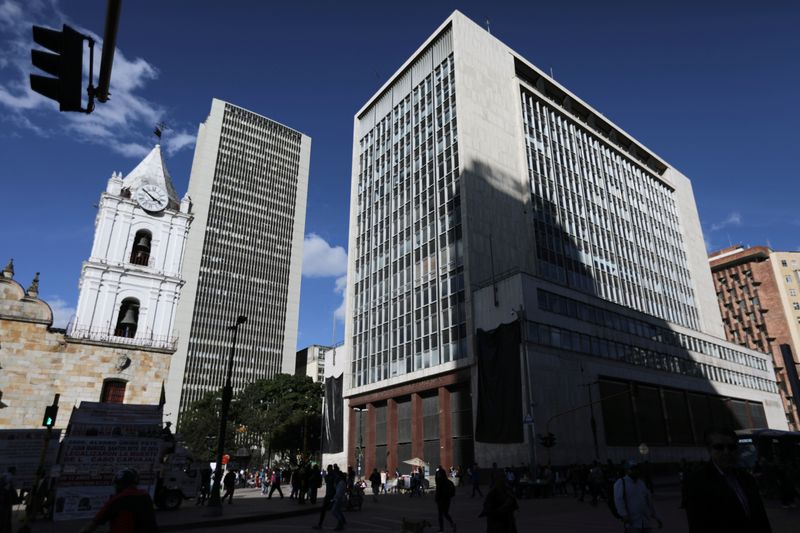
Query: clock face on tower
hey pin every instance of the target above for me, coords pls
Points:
(151, 197)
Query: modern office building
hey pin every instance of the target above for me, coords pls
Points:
(311, 362)
(248, 187)
(485, 193)
(757, 292)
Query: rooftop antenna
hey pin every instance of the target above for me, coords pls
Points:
(488, 28)
(551, 72)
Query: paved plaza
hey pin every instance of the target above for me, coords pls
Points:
(252, 512)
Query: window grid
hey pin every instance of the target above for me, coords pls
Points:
(409, 290)
(581, 188)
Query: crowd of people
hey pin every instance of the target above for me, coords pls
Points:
(716, 494)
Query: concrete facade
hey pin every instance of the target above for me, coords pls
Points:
(479, 181)
(757, 292)
(248, 187)
(39, 361)
(311, 362)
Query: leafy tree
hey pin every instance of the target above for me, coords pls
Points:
(283, 413)
(199, 426)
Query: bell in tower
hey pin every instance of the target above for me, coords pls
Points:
(128, 319)
(140, 255)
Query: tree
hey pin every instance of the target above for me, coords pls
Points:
(199, 426)
(283, 413)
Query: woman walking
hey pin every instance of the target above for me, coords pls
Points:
(445, 490)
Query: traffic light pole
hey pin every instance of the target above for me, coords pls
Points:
(109, 46)
(34, 504)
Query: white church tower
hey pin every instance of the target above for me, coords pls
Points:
(130, 286)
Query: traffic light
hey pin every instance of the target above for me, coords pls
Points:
(547, 440)
(65, 63)
(50, 413)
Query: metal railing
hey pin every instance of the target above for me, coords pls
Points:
(144, 337)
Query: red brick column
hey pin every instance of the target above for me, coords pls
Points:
(445, 429)
(391, 435)
(416, 426)
(369, 440)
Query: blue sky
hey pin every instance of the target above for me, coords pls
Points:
(710, 86)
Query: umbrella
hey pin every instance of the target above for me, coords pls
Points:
(416, 461)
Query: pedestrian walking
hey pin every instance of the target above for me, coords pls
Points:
(375, 482)
(314, 483)
(229, 482)
(264, 481)
(445, 490)
(338, 501)
(498, 508)
(384, 477)
(275, 483)
(130, 510)
(596, 479)
(331, 477)
(303, 474)
(205, 485)
(720, 497)
(475, 477)
(634, 502)
(8, 497)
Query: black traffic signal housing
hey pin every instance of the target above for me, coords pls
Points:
(50, 414)
(547, 440)
(65, 63)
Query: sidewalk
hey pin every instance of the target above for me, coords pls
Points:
(249, 505)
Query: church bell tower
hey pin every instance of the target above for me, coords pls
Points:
(130, 285)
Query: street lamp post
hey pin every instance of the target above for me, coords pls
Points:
(360, 457)
(227, 394)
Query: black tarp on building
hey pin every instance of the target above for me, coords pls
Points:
(333, 436)
(499, 416)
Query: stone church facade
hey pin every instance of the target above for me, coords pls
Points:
(119, 345)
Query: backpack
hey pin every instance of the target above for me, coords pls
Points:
(612, 501)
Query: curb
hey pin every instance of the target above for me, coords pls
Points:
(234, 520)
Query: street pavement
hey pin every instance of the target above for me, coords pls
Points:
(252, 512)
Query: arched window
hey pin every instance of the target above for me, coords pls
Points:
(113, 391)
(128, 318)
(140, 255)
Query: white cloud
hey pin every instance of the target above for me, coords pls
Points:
(321, 260)
(178, 141)
(341, 288)
(734, 219)
(62, 311)
(123, 124)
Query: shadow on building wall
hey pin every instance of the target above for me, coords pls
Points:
(647, 387)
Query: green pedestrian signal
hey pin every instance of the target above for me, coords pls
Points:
(50, 413)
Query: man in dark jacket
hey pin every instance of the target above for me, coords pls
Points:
(719, 497)
(130, 510)
(229, 482)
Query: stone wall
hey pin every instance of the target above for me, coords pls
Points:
(38, 361)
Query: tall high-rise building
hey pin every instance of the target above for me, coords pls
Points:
(757, 291)
(248, 187)
(485, 193)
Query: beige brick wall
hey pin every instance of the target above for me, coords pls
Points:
(38, 362)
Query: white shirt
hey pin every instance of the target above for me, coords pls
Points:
(634, 502)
